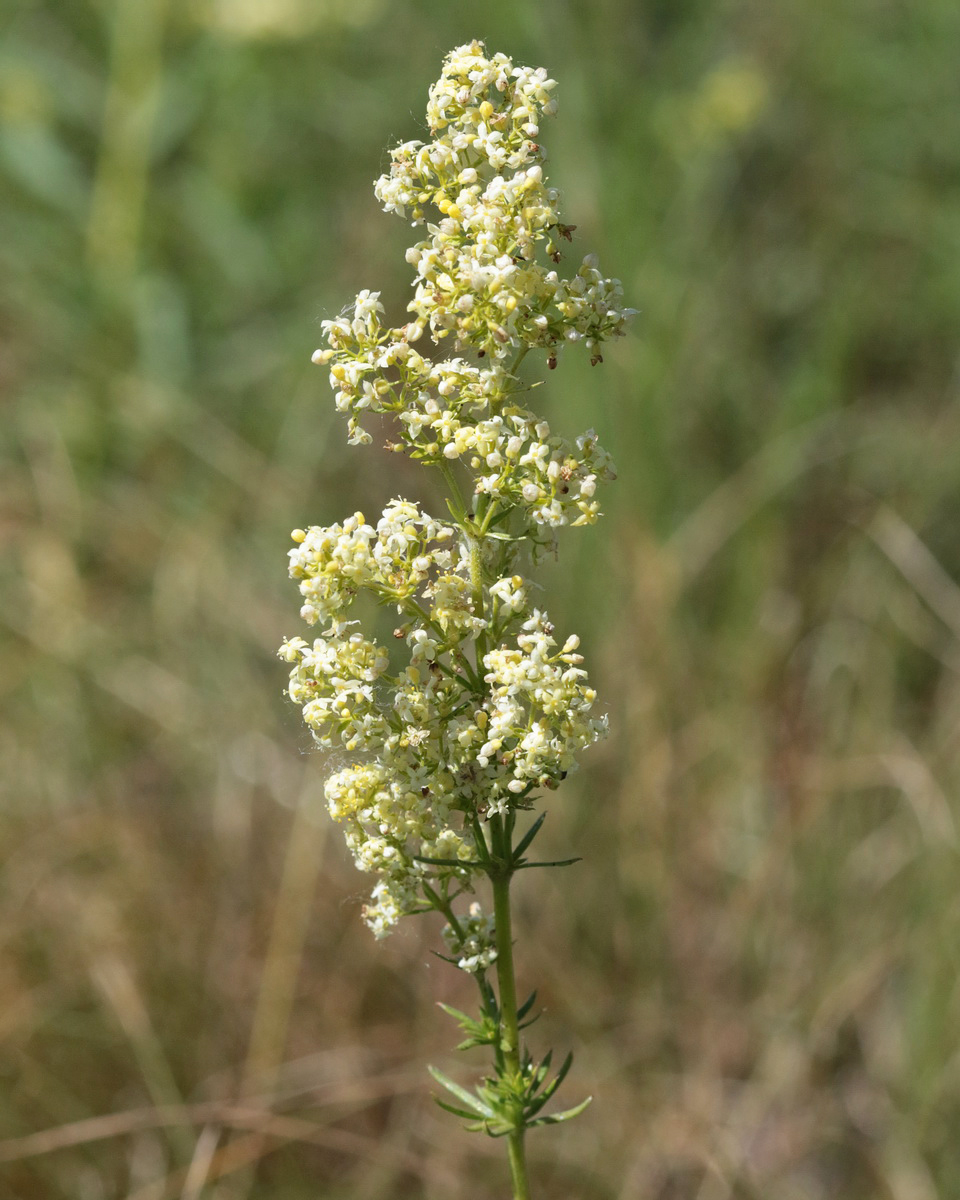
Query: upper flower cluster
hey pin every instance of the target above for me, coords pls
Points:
(479, 282)
(477, 705)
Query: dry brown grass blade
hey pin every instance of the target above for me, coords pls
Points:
(281, 969)
(267, 1132)
(256, 1120)
(254, 1115)
(276, 1132)
(198, 1173)
(770, 471)
(918, 565)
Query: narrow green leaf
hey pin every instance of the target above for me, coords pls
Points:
(445, 862)
(528, 837)
(461, 1094)
(556, 1118)
(536, 1104)
(480, 844)
(457, 1112)
(525, 1007)
(543, 1070)
(470, 1042)
(489, 997)
(561, 1073)
(456, 1014)
(479, 1033)
(563, 862)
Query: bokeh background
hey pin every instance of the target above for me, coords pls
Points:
(757, 962)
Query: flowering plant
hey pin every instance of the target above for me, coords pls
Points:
(480, 707)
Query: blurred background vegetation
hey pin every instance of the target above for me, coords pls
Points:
(758, 961)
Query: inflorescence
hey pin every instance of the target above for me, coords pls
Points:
(478, 705)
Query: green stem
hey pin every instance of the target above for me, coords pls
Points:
(476, 581)
(521, 355)
(518, 1165)
(488, 517)
(501, 837)
(509, 1032)
(451, 480)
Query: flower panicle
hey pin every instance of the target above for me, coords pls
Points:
(476, 707)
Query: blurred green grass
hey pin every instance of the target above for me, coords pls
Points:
(757, 962)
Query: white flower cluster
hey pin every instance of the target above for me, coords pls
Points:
(454, 411)
(334, 563)
(437, 736)
(472, 941)
(544, 694)
(476, 707)
(479, 282)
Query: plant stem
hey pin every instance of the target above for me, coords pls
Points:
(501, 837)
(518, 1165)
(451, 481)
(509, 1033)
